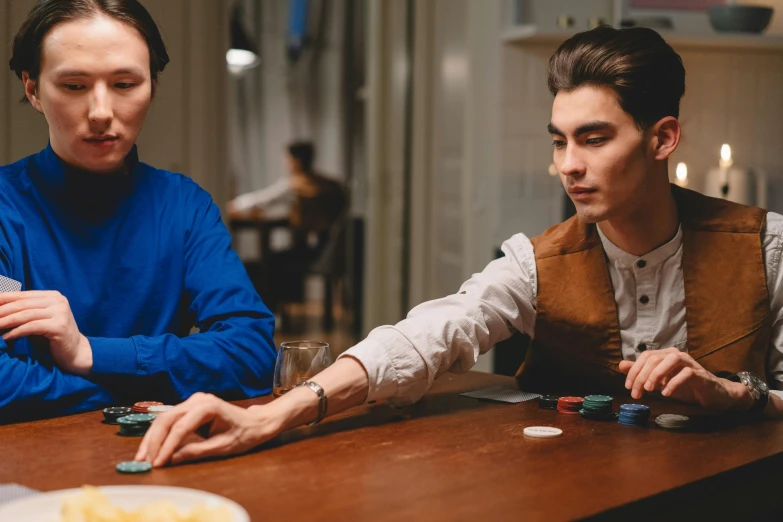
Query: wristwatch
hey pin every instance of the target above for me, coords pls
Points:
(758, 390)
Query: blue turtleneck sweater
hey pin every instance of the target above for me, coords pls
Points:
(142, 257)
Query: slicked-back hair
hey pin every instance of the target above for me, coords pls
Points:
(643, 70)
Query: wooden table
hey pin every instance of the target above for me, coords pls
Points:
(445, 458)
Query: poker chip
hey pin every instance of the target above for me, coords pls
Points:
(597, 407)
(671, 421)
(138, 418)
(135, 424)
(548, 402)
(141, 407)
(134, 466)
(569, 405)
(157, 410)
(633, 414)
(542, 432)
(111, 415)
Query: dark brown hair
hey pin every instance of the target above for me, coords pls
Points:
(26, 54)
(644, 71)
(304, 152)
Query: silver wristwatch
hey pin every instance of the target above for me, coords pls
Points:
(758, 390)
(323, 403)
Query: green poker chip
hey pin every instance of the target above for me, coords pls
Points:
(134, 466)
(601, 399)
(597, 407)
(136, 418)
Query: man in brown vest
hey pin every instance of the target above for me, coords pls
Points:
(650, 288)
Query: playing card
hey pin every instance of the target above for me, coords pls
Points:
(502, 394)
(9, 285)
(11, 492)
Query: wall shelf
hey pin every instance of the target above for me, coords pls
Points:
(530, 34)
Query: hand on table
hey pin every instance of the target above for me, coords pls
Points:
(232, 430)
(677, 375)
(47, 314)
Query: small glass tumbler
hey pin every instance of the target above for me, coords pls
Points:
(298, 361)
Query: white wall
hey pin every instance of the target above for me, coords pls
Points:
(185, 129)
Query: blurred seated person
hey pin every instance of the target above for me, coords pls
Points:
(312, 203)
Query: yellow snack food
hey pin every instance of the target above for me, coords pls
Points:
(93, 506)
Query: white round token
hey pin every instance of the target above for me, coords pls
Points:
(542, 432)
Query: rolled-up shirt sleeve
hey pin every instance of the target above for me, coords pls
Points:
(772, 242)
(278, 191)
(449, 334)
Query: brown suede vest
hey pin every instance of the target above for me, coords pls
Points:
(577, 345)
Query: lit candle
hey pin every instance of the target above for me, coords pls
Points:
(681, 175)
(727, 181)
(725, 164)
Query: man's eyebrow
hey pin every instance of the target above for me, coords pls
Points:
(582, 129)
(592, 126)
(71, 73)
(554, 130)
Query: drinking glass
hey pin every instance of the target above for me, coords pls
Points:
(298, 361)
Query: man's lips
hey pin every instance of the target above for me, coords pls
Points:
(580, 192)
(103, 142)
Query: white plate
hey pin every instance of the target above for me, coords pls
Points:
(46, 506)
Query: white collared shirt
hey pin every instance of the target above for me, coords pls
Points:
(448, 334)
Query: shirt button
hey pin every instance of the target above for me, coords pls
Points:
(644, 299)
(641, 263)
(642, 347)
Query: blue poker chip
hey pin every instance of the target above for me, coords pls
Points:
(633, 419)
(635, 415)
(634, 407)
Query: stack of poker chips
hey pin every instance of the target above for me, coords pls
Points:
(672, 422)
(548, 402)
(597, 407)
(115, 412)
(135, 424)
(142, 407)
(569, 405)
(634, 414)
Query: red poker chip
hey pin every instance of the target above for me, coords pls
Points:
(569, 405)
(141, 407)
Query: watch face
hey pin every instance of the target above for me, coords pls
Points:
(751, 381)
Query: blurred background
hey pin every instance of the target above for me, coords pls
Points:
(372, 154)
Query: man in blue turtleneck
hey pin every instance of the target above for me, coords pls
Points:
(141, 258)
(110, 263)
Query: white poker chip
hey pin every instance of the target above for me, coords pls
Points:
(157, 410)
(542, 432)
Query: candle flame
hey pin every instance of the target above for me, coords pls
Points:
(552, 170)
(682, 171)
(725, 152)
